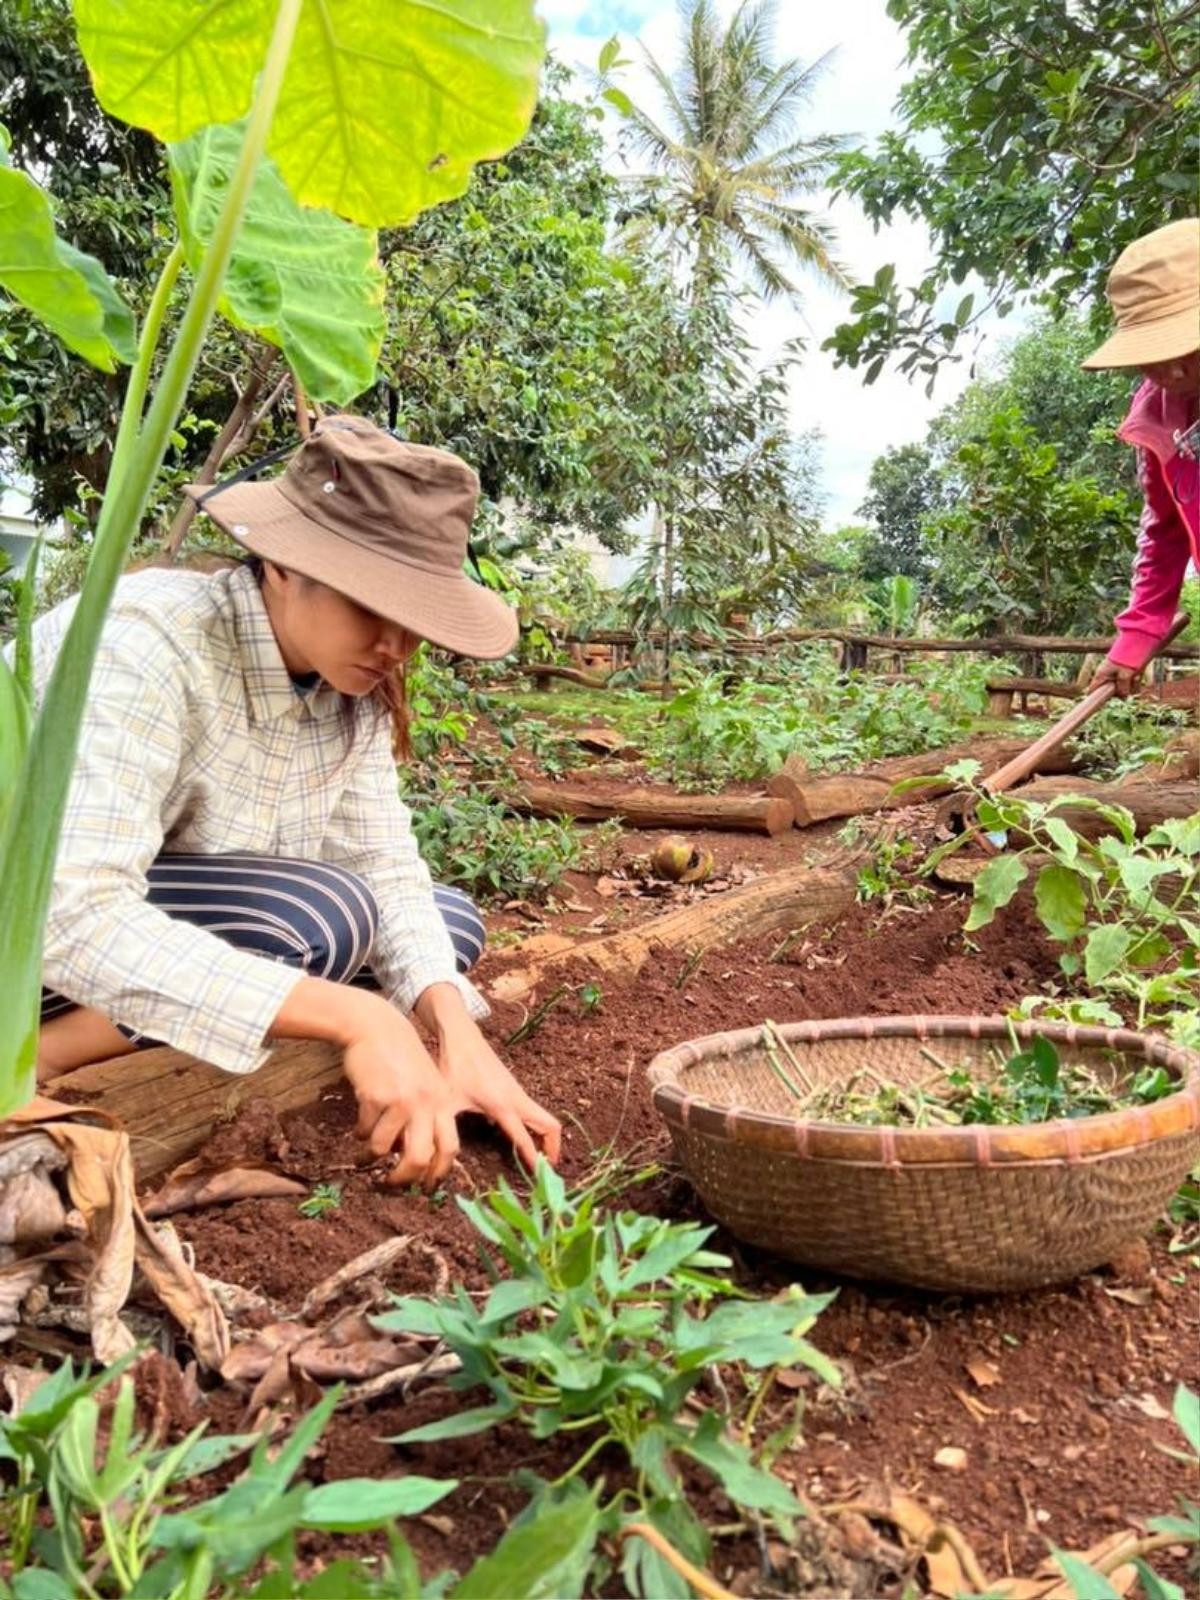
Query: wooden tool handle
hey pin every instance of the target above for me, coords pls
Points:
(1020, 767)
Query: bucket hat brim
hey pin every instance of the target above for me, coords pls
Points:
(447, 609)
(1143, 344)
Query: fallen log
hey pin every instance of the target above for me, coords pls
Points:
(647, 808)
(542, 672)
(781, 900)
(1002, 691)
(606, 742)
(1148, 803)
(170, 1102)
(852, 794)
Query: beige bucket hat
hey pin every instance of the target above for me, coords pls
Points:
(1154, 290)
(378, 519)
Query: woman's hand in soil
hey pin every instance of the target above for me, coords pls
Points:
(403, 1100)
(481, 1082)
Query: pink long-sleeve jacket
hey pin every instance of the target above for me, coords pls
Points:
(1169, 534)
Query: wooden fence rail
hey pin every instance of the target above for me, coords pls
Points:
(1002, 644)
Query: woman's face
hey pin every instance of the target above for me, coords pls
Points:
(320, 630)
(1180, 376)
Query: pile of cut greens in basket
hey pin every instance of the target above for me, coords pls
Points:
(1031, 1084)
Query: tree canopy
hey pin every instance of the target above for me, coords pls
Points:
(1037, 140)
(1019, 508)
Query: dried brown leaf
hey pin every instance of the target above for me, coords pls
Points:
(985, 1373)
(188, 1191)
(1131, 1297)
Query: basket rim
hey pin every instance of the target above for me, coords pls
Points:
(1070, 1140)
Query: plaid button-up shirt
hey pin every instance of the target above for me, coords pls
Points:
(195, 740)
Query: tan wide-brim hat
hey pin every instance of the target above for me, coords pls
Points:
(380, 520)
(1154, 290)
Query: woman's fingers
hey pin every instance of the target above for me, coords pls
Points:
(548, 1129)
(524, 1117)
(447, 1146)
(429, 1145)
(416, 1155)
(510, 1124)
(392, 1120)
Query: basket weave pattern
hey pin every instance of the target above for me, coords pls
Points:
(955, 1208)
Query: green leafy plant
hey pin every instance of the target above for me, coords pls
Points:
(93, 1511)
(176, 74)
(1122, 907)
(326, 1197)
(1123, 736)
(471, 838)
(595, 1333)
(885, 876)
(712, 732)
(120, 1523)
(591, 996)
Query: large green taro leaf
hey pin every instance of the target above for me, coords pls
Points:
(301, 278)
(64, 288)
(385, 106)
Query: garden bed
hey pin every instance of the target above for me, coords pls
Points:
(1059, 1399)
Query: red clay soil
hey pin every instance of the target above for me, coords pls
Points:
(1062, 1433)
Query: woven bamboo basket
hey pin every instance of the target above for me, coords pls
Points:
(953, 1208)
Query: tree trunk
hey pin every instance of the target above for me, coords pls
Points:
(238, 431)
(799, 895)
(647, 808)
(668, 582)
(170, 1102)
(851, 794)
(1149, 803)
(544, 671)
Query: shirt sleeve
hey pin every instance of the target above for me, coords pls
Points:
(105, 945)
(1159, 567)
(370, 833)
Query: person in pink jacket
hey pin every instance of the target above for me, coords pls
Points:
(1154, 290)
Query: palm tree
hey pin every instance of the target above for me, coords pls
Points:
(734, 166)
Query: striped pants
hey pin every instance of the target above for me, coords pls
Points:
(306, 914)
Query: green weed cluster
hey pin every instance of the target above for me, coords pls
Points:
(714, 731)
(455, 786)
(1123, 908)
(594, 1334)
(119, 1524)
(1123, 736)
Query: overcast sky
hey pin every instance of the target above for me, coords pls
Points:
(856, 97)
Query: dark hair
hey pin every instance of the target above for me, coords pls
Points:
(389, 698)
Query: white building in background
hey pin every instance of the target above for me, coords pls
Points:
(19, 531)
(610, 571)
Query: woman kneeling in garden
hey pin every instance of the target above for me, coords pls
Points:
(236, 864)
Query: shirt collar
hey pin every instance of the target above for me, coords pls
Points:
(269, 691)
